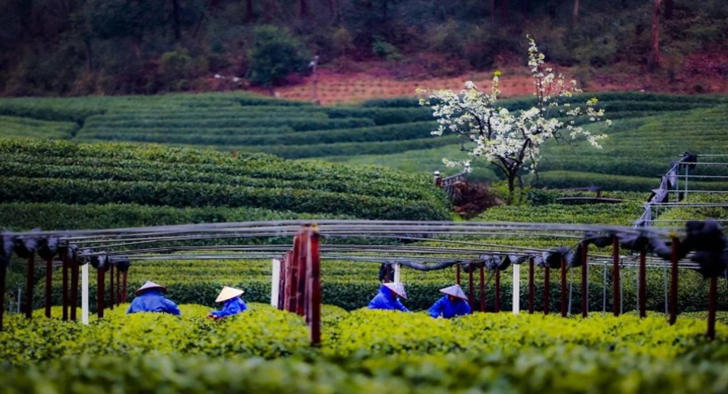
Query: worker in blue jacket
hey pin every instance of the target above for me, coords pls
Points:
(150, 299)
(233, 303)
(387, 297)
(453, 303)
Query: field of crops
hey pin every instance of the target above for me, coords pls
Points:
(265, 350)
(393, 132)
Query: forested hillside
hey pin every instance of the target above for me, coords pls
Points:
(74, 47)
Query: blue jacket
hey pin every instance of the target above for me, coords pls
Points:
(386, 300)
(449, 309)
(232, 307)
(153, 301)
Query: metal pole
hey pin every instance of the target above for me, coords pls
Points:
(48, 284)
(74, 285)
(516, 289)
(482, 288)
(29, 287)
(563, 286)
(397, 273)
(470, 286)
(584, 279)
(84, 293)
(530, 285)
(497, 290)
(712, 307)
(615, 276)
(100, 293)
(315, 278)
(643, 284)
(546, 285)
(673, 281)
(275, 280)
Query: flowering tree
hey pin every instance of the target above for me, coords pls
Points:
(512, 140)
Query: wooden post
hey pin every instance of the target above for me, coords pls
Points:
(48, 284)
(64, 289)
(301, 278)
(673, 281)
(457, 274)
(482, 287)
(293, 277)
(531, 286)
(3, 275)
(282, 282)
(74, 285)
(497, 291)
(546, 290)
(117, 291)
(563, 287)
(100, 293)
(387, 270)
(642, 291)
(315, 280)
(470, 287)
(615, 276)
(29, 287)
(713, 294)
(584, 279)
(112, 297)
(123, 287)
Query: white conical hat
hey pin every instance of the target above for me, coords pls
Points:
(229, 293)
(148, 286)
(455, 291)
(397, 288)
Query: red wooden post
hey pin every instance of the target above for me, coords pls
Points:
(497, 290)
(301, 278)
(712, 307)
(29, 287)
(482, 287)
(74, 284)
(100, 293)
(546, 290)
(643, 283)
(457, 274)
(3, 275)
(112, 297)
(282, 282)
(64, 289)
(293, 277)
(563, 287)
(123, 287)
(584, 279)
(673, 281)
(530, 285)
(470, 287)
(615, 276)
(387, 270)
(315, 287)
(48, 284)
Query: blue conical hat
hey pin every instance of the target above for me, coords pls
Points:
(454, 291)
(397, 288)
(150, 285)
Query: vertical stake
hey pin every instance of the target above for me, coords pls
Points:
(712, 307)
(29, 287)
(563, 286)
(471, 297)
(293, 277)
(48, 284)
(615, 276)
(3, 275)
(673, 281)
(74, 284)
(482, 287)
(546, 286)
(642, 291)
(516, 293)
(457, 274)
(315, 280)
(100, 293)
(301, 278)
(84, 293)
(497, 290)
(112, 297)
(123, 287)
(117, 292)
(530, 285)
(584, 279)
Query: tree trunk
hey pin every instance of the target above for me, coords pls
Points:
(249, 10)
(89, 56)
(575, 15)
(511, 187)
(669, 8)
(175, 20)
(654, 59)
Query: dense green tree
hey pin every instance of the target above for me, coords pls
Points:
(274, 55)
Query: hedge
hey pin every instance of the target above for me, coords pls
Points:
(299, 124)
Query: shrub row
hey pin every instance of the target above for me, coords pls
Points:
(383, 116)
(132, 134)
(298, 124)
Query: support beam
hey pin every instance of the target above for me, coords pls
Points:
(3, 277)
(397, 273)
(546, 290)
(64, 288)
(482, 288)
(123, 287)
(29, 287)
(301, 278)
(531, 286)
(100, 292)
(642, 291)
(48, 287)
(117, 291)
(673, 281)
(291, 278)
(584, 279)
(712, 301)
(274, 281)
(457, 274)
(497, 291)
(84, 293)
(74, 286)
(112, 297)
(314, 264)
(616, 300)
(563, 287)
(471, 296)
(516, 289)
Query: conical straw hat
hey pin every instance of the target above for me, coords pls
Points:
(150, 285)
(228, 293)
(397, 288)
(454, 291)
